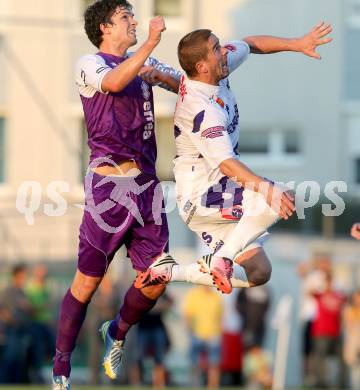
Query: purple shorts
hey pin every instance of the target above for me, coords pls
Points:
(121, 211)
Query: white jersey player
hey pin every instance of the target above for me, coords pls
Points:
(220, 198)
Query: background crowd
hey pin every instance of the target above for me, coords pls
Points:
(225, 334)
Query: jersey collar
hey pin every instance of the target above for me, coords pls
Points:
(203, 87)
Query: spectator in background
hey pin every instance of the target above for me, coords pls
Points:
(258, 368)
(355, 231)
(153, 339)
(16, 312)
(351, 352)
(326, 332)
(253, 305)
(313, 274)
(231, 343)
(203, 310)
(39, 296)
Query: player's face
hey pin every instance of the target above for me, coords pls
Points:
(217, 59)
(123, 27)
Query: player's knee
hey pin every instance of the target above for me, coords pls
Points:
(84, 287)
(257, 272)
(260, 275)
(154, 292)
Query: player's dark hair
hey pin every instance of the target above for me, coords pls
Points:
(192, 49)
(100, 13)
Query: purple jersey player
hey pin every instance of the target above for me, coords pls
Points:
(121, 187)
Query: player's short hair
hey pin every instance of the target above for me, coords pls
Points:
(98, 13)
(192, 49)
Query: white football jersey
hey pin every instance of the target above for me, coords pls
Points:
(206, 129)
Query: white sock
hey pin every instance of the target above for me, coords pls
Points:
(247, 230)
(191, 273)
(239, 278)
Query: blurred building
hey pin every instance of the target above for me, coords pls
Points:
(300, 120)
(300, 117)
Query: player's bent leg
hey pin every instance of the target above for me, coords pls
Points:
(232, 237)
(72, 315)
(137, 302)
(256, 265)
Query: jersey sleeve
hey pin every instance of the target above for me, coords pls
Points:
(209, 134)
(90, 71)
(162, 67)
(238, 52)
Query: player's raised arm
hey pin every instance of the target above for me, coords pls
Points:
(119, 77)
(264, 44)
(167, 80)
(278, 199)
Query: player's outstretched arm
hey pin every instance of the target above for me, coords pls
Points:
(153, 76)
(279, 199)
(263, 44)
(355, 231)
(119, 77)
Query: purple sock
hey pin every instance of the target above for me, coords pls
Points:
(135, 305)
(72, 315)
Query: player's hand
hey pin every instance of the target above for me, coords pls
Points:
(281, 200)
(355, 231)
(310, 41)
(151, 75)
(156, 27)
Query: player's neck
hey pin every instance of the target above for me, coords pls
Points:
(205, 78)
(118, 50)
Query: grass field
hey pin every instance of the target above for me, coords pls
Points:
(80, 387)
(76, 387)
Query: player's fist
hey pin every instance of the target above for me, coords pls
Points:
(150, 75)
(281, 200)
(156, 27)
(355, 231)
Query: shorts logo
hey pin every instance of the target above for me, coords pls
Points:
(218, 245)
(213, 132)
(207, 238)
(145, 90)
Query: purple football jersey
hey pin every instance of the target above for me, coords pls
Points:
(121, 125)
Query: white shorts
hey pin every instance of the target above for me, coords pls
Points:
(215, 224)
